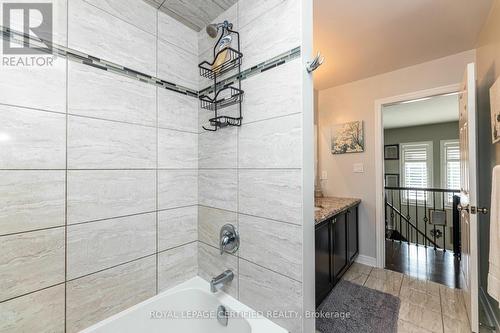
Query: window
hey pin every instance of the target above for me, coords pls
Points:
(416, 169)
(450, 167)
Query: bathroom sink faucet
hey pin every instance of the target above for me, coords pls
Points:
(220, 280)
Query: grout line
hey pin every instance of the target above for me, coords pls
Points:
(111, 267)
(157, 257)
(441, 306)
(111, 218)
(156, 126)
(31, 108)
(66, 181)
(33, 230)
(216, 248)
(271, 118)
(34, 291)
(108, 169)
(238, 132)
(266, 268)
(178, 246)
(240, 213)
(257, 169)
(117, 17)
(27, 170)
(128, 262)
(24, 108)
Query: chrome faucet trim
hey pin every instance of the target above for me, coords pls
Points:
(220, 280)
(229, 239)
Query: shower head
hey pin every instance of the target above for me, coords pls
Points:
(213, 29)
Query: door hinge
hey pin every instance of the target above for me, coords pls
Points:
(477, 210)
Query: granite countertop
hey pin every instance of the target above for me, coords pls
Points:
(331, 206)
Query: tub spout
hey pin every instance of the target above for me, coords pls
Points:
(220, 280)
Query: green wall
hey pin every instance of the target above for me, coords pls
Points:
(433, 132)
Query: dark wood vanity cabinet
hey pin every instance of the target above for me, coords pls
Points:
(339, 246)
(352, 233)
(323, 260)
(336, 249)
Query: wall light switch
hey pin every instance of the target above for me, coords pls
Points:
(358, 168)
(324, 175)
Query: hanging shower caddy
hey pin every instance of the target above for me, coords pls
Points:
(223, 96)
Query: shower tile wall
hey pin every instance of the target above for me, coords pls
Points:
(98, 191)
(251, 176)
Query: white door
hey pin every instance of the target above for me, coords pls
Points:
(468, 194)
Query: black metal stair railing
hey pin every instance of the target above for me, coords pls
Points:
(422, 216)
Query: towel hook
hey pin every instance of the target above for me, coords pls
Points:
(315, 63)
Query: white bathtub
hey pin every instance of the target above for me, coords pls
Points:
(186, 308)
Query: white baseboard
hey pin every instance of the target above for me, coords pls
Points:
(488, 309)
(366, 260)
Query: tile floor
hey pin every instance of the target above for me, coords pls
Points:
(425, 306)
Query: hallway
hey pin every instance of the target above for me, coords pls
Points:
(423, 263)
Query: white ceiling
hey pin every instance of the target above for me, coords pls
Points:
(363, 38)
(439, 109)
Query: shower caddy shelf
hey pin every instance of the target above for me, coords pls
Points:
(226, 95)
(234, 59)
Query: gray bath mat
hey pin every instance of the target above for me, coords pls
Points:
(357, 309)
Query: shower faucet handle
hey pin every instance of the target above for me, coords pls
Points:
(229, 239)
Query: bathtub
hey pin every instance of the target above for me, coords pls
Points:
(189, 307)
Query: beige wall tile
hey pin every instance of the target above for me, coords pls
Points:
(177, 111)
(273, 143)
(177, 226)
(177, 150)
(101, 94)
(177, 65)
(99, 245)
(134, 12)
(273, 93)
(271, 33)
(95, 297)
(41, 312)
(94, 31)
(177, 188)
(100, 194)
(172, 31)
(35, 87)
(177, 265)
(32, 139)
(219, 149)
(263, 290)
(274, 245)
(31, 261)
(218, 188)
(31, 200)
(102, 144)
(273, 194)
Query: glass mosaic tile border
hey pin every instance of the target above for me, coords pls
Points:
(80, 57)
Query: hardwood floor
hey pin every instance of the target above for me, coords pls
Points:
(423, 263)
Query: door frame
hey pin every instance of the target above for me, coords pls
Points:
(379, 157)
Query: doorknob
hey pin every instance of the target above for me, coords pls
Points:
(461, 208)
